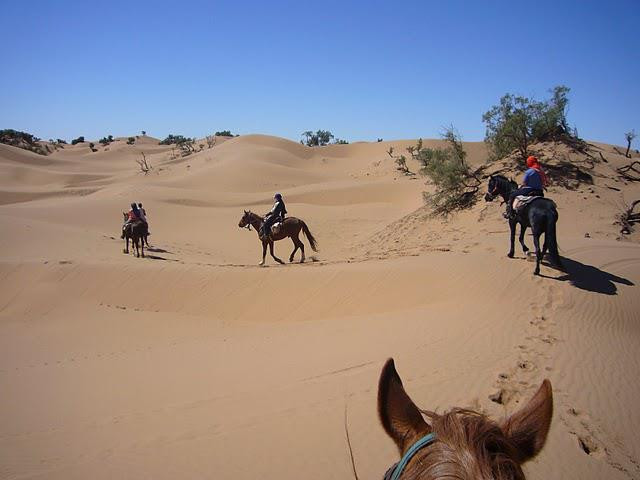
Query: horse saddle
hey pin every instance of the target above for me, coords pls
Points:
(522, 201)
(276, 227)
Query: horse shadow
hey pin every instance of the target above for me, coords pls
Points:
(590, 278)
(157, 250)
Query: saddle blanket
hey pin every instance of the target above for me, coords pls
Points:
(275, 228)
(522, 201)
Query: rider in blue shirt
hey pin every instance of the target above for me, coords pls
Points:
(533, 184)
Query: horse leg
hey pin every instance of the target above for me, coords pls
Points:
(126, 248)
(512, 237)
(136, 241)
(536, 244)
(302, 250)
(272, 254)
(295, 249)
(142, 244)
(264, 252)
(523, 229)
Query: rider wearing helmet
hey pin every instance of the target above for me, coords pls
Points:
(277, 213)
(533, 184)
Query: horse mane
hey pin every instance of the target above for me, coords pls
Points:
(503, 178)
(470, 445)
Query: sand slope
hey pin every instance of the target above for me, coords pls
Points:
(196, 363)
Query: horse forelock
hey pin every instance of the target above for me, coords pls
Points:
(469, 445)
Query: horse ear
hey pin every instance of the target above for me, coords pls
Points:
(528, 428)
(400, 417)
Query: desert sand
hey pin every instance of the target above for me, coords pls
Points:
(196, 363)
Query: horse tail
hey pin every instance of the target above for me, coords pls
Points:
(550, 236)
(310, 237)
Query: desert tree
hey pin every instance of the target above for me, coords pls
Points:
(455, 183)
(516, 122)
(629, 136)
(318, 138)
(143, 165)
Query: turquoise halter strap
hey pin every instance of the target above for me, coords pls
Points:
(423, 442)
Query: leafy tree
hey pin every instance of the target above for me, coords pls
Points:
(629, 136)
(517, 122)
(143, 132)
(22, 140)
(131, 140)
(224, 133)
(173, 140)
(75, 141)
(339, 141)
(447, 169)
(317, 139)
(106, 140)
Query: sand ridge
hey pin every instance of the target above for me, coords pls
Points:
(194, 360)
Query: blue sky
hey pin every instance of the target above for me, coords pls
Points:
(360, 69)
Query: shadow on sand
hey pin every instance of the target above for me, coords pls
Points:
(157, 250)
(590, 278)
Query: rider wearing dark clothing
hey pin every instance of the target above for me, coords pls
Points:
(533, 184)
(277, 213)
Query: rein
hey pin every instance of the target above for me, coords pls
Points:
(396, 470)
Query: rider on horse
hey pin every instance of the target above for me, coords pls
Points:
(134, 215)
(277, 213)
(533, 184)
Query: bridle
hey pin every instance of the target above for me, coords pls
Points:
(396, 470)
(248, 224)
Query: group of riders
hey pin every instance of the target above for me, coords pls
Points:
(276, 215)
(533, 185)
(137, 213)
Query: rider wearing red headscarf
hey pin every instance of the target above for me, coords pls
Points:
(533, 183)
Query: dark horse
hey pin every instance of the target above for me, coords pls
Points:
(541, 215)
(137, 232)
(460, 443)
(290, 228)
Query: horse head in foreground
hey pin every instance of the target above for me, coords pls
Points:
(291, 227)
(460, 444)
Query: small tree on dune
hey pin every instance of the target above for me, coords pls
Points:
(455, 183)
(517, 122)
(317, 139)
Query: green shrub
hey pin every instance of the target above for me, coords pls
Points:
(224, 133)
(131, 140)
(22, 140)
(75, 141)
(455, 184)
(106, 140)
(173, 140)
(317, 139)
(517, 122)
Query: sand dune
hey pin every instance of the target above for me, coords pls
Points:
(196, 363)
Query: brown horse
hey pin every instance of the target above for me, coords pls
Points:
(291, 227)
(137, 232)
(460, 443)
